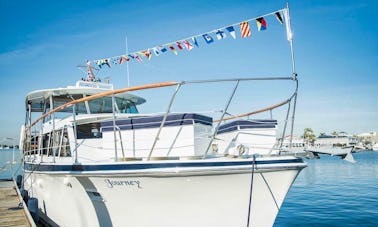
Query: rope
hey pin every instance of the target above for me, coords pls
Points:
(250, 189)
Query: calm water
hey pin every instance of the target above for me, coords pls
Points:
(333, 192)
(329, 192)
(7, 158)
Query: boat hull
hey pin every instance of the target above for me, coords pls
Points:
(189, 194)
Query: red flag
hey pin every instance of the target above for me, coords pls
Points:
(179, 45)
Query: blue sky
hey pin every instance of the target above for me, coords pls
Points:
(335, 43)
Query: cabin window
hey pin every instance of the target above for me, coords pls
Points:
(89, 131)
(101, 105)
(126, 106)
(104, 105)
(60, 100)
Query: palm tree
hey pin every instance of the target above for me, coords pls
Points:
(309, 136)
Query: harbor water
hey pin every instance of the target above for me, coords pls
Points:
(334, 192)
(329, 192)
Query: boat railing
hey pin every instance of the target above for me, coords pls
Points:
(178, 85)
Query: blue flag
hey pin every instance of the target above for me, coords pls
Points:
(208, 38)
(163, 49)
(220, 34)
(195, 41)
(231, 30)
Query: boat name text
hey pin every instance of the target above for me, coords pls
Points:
(114, 183)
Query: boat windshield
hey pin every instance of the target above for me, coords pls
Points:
(100, 105)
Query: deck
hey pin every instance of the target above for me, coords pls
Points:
(10, 212)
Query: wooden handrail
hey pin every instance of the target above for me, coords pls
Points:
(103, 94)
(255, 112)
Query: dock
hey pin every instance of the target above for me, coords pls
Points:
(13, 210)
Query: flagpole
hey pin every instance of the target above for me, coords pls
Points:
(290, 36)
(290, 39)
(127, 64)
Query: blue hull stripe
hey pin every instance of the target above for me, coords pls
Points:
(146, 166)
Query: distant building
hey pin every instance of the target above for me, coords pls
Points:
(370, 136)
(296, 141)
(368, 139)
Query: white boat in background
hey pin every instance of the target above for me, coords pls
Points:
(91, 159)
(375, 147)
(343, 152)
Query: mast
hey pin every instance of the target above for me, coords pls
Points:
(91, 74)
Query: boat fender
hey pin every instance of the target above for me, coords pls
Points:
(33, 208)
(19, 181)
(25, 196)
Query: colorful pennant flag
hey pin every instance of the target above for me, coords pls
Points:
(146, 53)
(195, 41)
(122, 58)
(137, 57)
(231, 30)
(245, 29)
(114, 61)
(220, 34)
(102, 62)
(172, 48)
(279, 17)
(208, 38)
(156, 51)
(261, 23)
(188, 45)
(179, 45)
(162, 49)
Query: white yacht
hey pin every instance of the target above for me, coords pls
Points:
(91, 159)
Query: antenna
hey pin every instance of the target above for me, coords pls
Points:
(87, 69)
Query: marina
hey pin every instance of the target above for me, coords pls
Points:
(209, 126)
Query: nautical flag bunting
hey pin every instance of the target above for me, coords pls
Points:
(245, 30)
(220, 34)
(137, 57)
(156, 51)
(195, 41)
(279, 17)
(172, 48)
(208, 38)
(231, 30)
(162, 49)
(189, 43)
(261, 23)
(179, 45)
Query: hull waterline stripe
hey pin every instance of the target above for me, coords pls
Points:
(149, 166)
